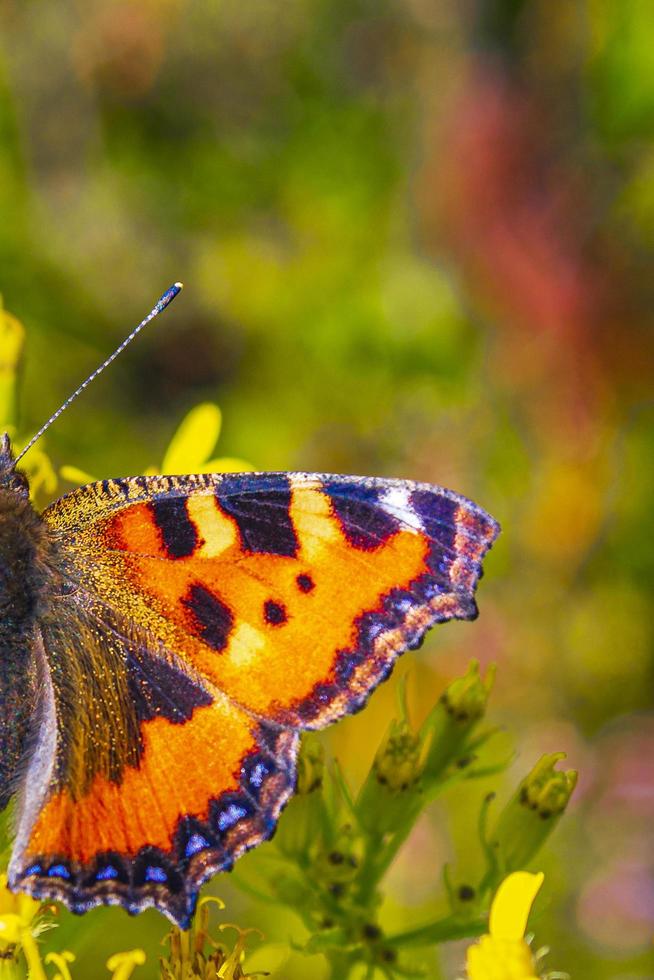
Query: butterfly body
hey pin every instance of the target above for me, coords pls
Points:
(165, 639)
(23, 577)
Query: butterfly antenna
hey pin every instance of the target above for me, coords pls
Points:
(158, 308)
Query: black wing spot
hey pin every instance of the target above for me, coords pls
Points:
(178, 532)
(213, 617)
(438, 516)
(305, 583)
(158, 689)
(274, 613)
(262, 515)
(363, 520)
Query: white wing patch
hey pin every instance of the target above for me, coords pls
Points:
(397, 503)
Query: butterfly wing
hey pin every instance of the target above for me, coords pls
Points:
(293, 593)
(145, 780)
(234, 610)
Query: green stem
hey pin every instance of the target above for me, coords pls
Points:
(340, 965)
(379, 856)
(440, 931)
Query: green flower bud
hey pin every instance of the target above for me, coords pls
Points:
(397, 763)
(466, 698)
(533, 812)
(450, 723)
(391, 792)
(339, 861)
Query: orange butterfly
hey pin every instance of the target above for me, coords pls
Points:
(164, 640)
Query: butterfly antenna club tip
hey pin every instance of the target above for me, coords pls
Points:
(169, 296)
(158, 308)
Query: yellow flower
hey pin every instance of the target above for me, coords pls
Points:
(188, 959)
(18, 927)
(192, 445)
(503, 954)
(23, 907)
(190, 449)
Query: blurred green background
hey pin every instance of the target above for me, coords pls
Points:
(416, 238)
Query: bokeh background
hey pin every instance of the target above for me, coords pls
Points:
(416, 238)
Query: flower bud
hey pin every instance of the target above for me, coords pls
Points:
(337, 864)
(533, 812)
(390, 792)
(397, 763)
(450, 723)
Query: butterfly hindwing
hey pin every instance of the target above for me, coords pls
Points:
(226, 612)
(192, 783)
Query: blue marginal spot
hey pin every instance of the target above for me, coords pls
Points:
(196, 842)
(258, 774)
(34, 869)
(106, 874)
(58, 871)
(433, 589)
(152, 873)
(230, 816)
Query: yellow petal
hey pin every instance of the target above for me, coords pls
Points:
(194, 440)
(12, 336)
(512, 905)
(7, 899)
(17, 904)
(500, 959)
(226, 464)
(11, 929)
(74, 475)
(26, 907)
(40, 472)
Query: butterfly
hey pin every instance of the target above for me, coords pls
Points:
(164, 640)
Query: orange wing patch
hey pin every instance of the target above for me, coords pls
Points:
(265, 628)
(202, 794)
(145, 806)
